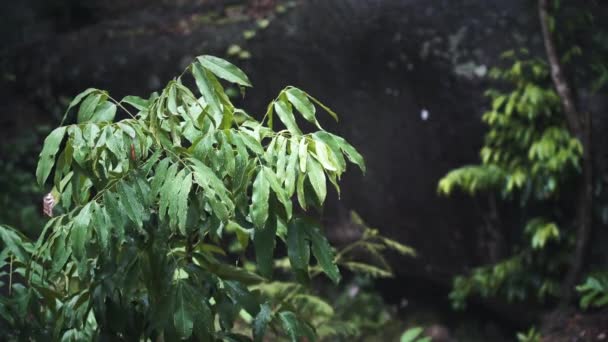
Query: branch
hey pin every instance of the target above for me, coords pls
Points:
(579, 125)
(557, 73)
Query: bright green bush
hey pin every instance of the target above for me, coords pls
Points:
(146, 206)
(527, 156)
(527, 150)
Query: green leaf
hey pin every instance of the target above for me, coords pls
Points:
(259, 200)
(218, 208)
(285, 113)
(208, 180)
(290, 325)
(127, 129)
(136, 101)
(79, 233)
(90, 133)
(290, 170)
(295, 328)
(14, 242)
(411, 335)
(102, 225)
(281, 158)
(133, 207)
(183, 316)
(317, 179)
(162, 184)
(324, 253)
(114, 142)
(205, 86)
(399, 247)
(182, 204)
(332, 144)
(229, 272)
(171, 192)
(243, 235)
(275, 184)
(367, 269)
(251, 143)
(227, 156)
(117, 215)
(264, 240)
(352, 154)
(225, 70)
(172, 100)
(77, 100)
(312, 305)
(203, 146)
(298, 248)
(47, 156)
(203, 174)
(204, 317)
(326, 155)
(62, 167)
(300, 100)
(243, 297)
(261, 321)
(105, 112)
(300, 191)
(60, 253)
(327, 109)
(303, 154)
(270, 153)
(87, 108)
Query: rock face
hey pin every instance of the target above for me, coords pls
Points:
(406, 76)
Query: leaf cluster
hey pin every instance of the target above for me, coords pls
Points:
(594, 291)
(146, 202)
(528, 154)
(528, 149)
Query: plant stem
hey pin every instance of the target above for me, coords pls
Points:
(579, 125)
(10, 277)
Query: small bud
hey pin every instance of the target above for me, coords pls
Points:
(48, 203)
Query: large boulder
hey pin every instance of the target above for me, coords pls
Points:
(407, 78)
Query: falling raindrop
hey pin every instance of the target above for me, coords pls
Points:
(424, 114)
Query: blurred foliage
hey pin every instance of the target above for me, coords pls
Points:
(594, 291)
(353, 309)
(532, 335)
(414, 335)
(527, 150)
(530, 158)
(527, 155)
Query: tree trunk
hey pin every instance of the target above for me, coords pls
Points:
(579, 125)
(494, 228)
(584, 215)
